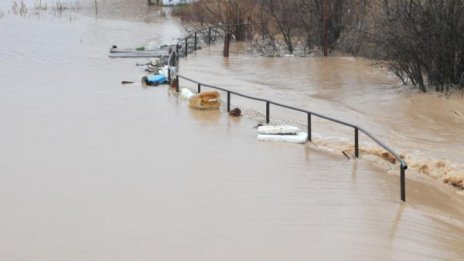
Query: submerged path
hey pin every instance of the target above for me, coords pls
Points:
(143, 177)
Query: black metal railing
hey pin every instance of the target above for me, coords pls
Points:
(209, 35)
(174, 60)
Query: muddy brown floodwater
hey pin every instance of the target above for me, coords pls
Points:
(94, 170)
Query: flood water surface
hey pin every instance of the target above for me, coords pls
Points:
(91, 169)
(425, 128)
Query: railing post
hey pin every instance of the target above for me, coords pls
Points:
(177, 83)
(309, 127)
(250, 30)
(195, 42)
(228, 101)
(186, 46)
(403, 183)
(199, 88)
(356, 142)
(267, 112)
(209, 36)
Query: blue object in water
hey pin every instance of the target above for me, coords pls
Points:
(156, 79)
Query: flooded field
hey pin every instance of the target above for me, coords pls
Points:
(94, 170)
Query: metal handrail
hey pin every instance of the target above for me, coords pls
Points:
(209, 28)
(357, 129)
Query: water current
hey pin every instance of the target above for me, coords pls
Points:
(91, 169)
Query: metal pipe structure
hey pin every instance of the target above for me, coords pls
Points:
(209, 35)
(309, 127)
(268, 115)
(195, 42)
(186, 46)
(310, 114)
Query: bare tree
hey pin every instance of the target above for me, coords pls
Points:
(214, 12)
(423, 40)
(282, 14)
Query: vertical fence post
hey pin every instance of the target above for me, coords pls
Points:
(356, 143)
(177, 83)
(209, 36)
(169, 75)
(186, 46)
(267, 112)
(195, 42)
(226, 45)
(403, 182)
(250, 31)
(199, 88)
(309, 127)
(228, 101)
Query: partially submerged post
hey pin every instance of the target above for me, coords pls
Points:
(195, 42)
(209, 35)
(186, 46)
(227, 44)
(96, 8)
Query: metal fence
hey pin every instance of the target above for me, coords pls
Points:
(174, 76)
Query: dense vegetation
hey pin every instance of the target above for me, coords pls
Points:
(422, 41)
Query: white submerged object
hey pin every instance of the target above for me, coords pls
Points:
(186, 94)
(164, 71)
(176, 2)
(300, 137)
(280, 129)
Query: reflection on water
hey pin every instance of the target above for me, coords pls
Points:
(94, 170)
